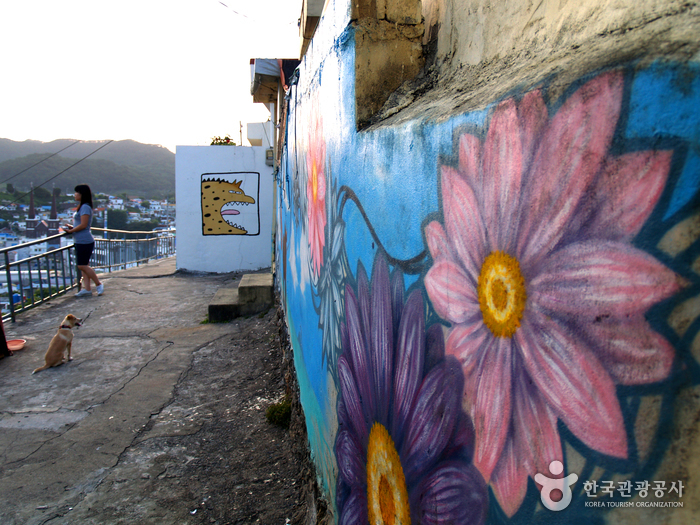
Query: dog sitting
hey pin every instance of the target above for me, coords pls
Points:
(62, 341)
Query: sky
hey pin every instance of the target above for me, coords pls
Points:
(168, 72)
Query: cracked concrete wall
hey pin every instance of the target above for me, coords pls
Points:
(479, 51)
(388, 50)
(477, 31)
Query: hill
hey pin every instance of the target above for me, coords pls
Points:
(123, 166)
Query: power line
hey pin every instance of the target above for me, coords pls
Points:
(256, 20)
(266, 136)
(65, 170)
(42, 160)
(232, 9)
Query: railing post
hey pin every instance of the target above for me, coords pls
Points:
(41, 284)
(29, 273)
(55, 273)
(21, 288)
(9, 286)
(63, 270)
(70, 268)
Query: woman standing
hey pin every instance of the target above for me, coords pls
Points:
(83, 240)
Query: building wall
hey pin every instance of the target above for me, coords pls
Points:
(232, 179)
(487, 295)
(260, 133)
(473, 32)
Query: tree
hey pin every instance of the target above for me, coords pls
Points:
(143, 226)
(222, 141)
(42, 194)
(116, 219)
(10, 188)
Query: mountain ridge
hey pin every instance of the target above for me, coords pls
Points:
(135, 153)
(124, 166)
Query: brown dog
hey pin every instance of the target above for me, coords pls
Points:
(62, 341)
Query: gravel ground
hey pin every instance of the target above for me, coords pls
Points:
(211, 456)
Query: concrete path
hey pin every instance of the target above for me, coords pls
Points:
(63, 429)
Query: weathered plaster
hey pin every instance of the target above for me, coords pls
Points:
(489, 49)
(386, 55)
(394, 11)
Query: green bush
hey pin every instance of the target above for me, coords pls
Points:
(280, 414)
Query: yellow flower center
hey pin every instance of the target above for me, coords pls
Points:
(387, 497)
(502, 294)
(314, 181)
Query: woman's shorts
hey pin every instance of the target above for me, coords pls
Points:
(83, 253)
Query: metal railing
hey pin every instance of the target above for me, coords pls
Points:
(28, 281)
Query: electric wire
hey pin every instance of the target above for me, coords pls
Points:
(42, 160)
(62, 172)
(266, 136)
(232, 9)
(256, 20)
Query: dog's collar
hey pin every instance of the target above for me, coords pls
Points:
(65, 326)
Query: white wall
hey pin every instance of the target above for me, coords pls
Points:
(222, 252)
(261, 131)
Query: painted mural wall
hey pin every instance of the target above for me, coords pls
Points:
(495, 316)
(224, 208)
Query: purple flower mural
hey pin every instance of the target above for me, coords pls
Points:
(404, 445)
(316, 192)
(535, 270)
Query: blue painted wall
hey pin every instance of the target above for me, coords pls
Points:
(504, 295)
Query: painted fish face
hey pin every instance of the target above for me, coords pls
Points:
(224, 208)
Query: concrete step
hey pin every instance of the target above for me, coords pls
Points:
(252, 296)
(255, 288)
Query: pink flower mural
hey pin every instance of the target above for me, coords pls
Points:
(316, 193)
(535, 270)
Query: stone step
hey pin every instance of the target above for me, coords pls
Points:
(255, 288)
(252, 296)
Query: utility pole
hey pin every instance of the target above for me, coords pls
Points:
(240, 123)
